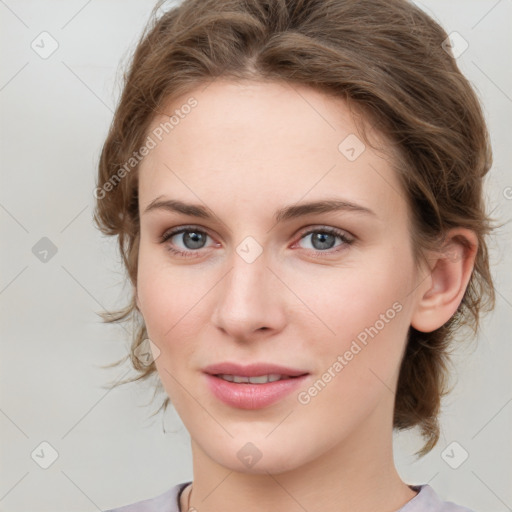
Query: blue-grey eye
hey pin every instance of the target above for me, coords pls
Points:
(325, 239)
(192, 239)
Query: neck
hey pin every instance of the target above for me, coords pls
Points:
(356, 474)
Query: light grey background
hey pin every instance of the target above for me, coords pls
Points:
(55, 113)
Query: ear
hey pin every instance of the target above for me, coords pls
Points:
(450, 272)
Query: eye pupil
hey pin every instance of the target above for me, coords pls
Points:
(321, 238)
(194, 238)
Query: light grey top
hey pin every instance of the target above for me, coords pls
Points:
(426, 500)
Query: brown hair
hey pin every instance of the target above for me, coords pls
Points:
(386, 57)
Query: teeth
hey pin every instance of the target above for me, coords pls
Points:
(261, 379)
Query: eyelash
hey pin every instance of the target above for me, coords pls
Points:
(316, 252)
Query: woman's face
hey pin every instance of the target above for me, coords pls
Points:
(260, 277)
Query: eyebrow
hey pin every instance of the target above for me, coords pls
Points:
(283, 214)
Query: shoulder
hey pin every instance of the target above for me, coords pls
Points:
(427, 500)
(165, 502)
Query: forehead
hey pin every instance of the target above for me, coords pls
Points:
(276, 112)
(276, 140)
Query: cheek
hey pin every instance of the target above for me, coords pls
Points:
(167, 297)
(170, 305)
(347, 300)
(357, 367)
(363, 312)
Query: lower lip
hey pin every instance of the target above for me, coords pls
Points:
(252, 396)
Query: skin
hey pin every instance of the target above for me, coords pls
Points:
(246, 150)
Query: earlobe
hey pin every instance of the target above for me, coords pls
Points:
(448, 280)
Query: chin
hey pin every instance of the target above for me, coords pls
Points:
(260, 456)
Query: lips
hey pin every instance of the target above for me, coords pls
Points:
(252, 396)
(236, 392)
(252, 370)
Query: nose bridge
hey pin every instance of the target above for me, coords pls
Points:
(247, 282)
(247, 299)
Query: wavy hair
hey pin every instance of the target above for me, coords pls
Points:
(386, 57)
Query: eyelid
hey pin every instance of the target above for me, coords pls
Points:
(180, 229)
(313, 228)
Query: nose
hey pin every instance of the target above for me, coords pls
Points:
(250, 300)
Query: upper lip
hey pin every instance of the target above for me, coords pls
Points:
(251, 370)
